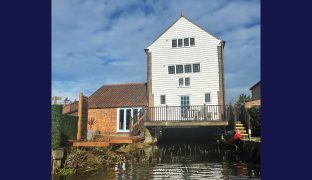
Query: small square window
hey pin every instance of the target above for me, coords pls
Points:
(179, 69)
(174, 43)
(181, 82)
(171, 69)
(180, 42)
(187, 68)
(196, 67)
(162, 99)
(192, 41)
(187, 81)
(186, 42)
(207, 97)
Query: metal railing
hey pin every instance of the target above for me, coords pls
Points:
(186, 113)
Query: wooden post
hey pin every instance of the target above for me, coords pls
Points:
(80, 103)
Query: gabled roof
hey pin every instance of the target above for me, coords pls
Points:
(254, 85)
(119, 95)
(182, 16)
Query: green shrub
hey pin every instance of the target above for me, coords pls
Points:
(68, 129)
(56, 126)
(255, 122)
(67, 171)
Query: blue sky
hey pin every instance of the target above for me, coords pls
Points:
(97, 42)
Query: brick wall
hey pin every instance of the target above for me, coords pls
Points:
(105, 120)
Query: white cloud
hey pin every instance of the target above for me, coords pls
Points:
(99, 42)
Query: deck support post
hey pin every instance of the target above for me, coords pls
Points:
(149, 139)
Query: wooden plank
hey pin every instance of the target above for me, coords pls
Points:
(121, 141)
(185, 123)
(250, 104)
(90, 144)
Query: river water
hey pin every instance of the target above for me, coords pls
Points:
(180, 161)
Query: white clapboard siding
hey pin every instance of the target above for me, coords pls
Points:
(204, 52)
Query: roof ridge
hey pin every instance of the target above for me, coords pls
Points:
(183, 16)
(122, 84)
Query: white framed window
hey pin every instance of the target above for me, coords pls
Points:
(181, 82)
(180, 44)
(196, 67)
(192, 41)
(162, 99)
(184, 82)
(207, 98)
(186, 42)
(188, 68)
(187, 81)
(171, 69)
(179, 69)
(174, 43)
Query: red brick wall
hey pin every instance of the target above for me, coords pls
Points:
(105, 120)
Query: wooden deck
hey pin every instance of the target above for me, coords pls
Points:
(185, 123)
(108, 140)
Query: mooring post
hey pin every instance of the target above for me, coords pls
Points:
(79, 128)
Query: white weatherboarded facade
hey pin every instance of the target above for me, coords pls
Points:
(204, 52)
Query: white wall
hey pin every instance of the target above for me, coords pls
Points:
(204, 52)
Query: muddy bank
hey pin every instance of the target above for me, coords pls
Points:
(84, 160)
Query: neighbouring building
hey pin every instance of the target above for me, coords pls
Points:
(255, 96)
(255, 91)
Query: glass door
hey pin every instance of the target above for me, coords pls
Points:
(185, 106)
(124, 118)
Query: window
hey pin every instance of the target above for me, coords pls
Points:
(196, 67)
(186, 42)
(174, 43)
(187, 81)
(207, 97)
(187, 68)
(180, 42)
(192, 41)
(181, 82)
(179, 69)
(171, 69)
(162, 99)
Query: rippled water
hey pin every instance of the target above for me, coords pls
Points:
(180, 161)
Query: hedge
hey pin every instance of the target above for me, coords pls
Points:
(68, 129)
(255, 122)
(56, 126)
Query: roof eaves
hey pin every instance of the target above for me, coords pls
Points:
(254, 85)
(164, 31)
(202, 28)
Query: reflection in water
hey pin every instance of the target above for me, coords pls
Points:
(180, 161)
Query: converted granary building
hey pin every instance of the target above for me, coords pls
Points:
(184, 78)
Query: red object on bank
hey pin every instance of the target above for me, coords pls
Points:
(234, 137)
